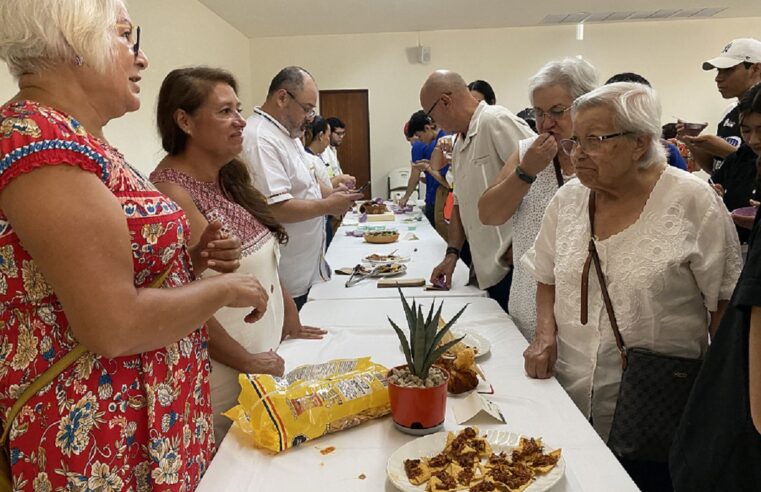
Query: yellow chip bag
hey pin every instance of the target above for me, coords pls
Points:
(310, 401)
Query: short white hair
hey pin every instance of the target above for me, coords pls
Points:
(634, 108)
(577, 76)
(36, 34)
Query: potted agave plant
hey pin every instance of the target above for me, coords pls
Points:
(418, 390)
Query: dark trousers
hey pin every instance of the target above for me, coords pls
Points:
(300, 301)
(501, 291)
(328, 230)
(430, 213)
(648, 475)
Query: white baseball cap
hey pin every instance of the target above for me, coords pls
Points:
(738, 51)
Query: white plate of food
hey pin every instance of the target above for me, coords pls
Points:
(480, 344)
(376, 258)
(437, 458)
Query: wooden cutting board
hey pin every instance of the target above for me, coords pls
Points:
(402, 282)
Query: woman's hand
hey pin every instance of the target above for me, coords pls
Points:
(265, 363)
(540, 356)
(244, 291)
(216, 250)
(306, 332)
(539, 154)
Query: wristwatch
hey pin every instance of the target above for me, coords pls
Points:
(523, 176)
(451, 250)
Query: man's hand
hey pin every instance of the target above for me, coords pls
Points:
(540, 356)
(710, 144)
(442, 274)
(341, 202)
(216, 250)
(344, 179)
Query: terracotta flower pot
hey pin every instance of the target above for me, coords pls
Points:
(418, 411)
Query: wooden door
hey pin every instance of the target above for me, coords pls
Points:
(351, 107)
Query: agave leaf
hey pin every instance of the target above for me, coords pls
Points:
(419, 348)
(409, 313)
(430, 313)
(404, 342)
(434, 356)
(444, 329)
(431, 328)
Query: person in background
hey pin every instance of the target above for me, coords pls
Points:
(330, 155)
(737, 180)
(486, 137)
(723, 413)
(667, 250)
(427, 137)
(481, 90)
(201, 129)
(532, 175)
(738, 68)
(669, 133)
(528, 116)
(84, 235)
(673, 156)
(283, 172)
(316, 140)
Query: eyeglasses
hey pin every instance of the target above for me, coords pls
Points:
(589, 145)
(133, 36)
(428, 113)
(310, 112)
(555, 113)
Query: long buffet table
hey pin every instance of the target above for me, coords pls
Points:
(425, 253)
(360, 328)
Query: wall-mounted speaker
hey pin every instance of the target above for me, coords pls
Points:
(424, 54)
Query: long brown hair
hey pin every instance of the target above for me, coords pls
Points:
(187, 89)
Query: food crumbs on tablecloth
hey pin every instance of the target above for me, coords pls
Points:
(362, 476)
(322, 463)
(327, 450)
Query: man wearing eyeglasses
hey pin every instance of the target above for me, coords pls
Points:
(488, 135)
(282, 171)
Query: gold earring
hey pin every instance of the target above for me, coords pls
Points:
(78, 61)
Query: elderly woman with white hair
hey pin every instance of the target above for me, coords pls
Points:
(533, 174)
(667, 248)
(104, 384)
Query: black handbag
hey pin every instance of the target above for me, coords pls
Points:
(654, 387)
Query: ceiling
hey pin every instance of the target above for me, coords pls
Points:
(268, 18)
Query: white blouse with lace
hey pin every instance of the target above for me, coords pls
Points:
(665, 272)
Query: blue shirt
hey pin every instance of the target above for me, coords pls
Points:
(422, 151)
(674, 157)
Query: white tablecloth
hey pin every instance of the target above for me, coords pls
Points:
(359, 328)
(425, 253)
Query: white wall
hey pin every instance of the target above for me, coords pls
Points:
(175, 33)
(668, 53)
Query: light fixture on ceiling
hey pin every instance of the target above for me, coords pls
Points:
(580, 31)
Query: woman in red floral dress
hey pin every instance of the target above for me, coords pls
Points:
(81, 235)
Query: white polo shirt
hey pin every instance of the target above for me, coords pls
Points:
(330, 156)
(477, 158)
(282, 170)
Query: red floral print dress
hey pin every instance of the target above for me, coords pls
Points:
(139, 422)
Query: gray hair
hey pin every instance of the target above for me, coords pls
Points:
(634, 108)
(290, 78)
(577, 76)
(37, 34)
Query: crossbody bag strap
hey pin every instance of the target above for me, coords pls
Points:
(558, 171)
(54, 371)
(594, 258)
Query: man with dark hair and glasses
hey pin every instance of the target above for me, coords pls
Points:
(283, 172)
(738, 68)
(488, 135)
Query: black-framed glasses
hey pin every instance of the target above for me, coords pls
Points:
(310, 112)
(133, 36)
(428, 113)
(556, 112)
(590, 144)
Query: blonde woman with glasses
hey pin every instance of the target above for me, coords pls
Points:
(82, 237)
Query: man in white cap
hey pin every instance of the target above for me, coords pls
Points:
(738, 69)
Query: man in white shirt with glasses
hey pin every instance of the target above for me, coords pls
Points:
(283, 173)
